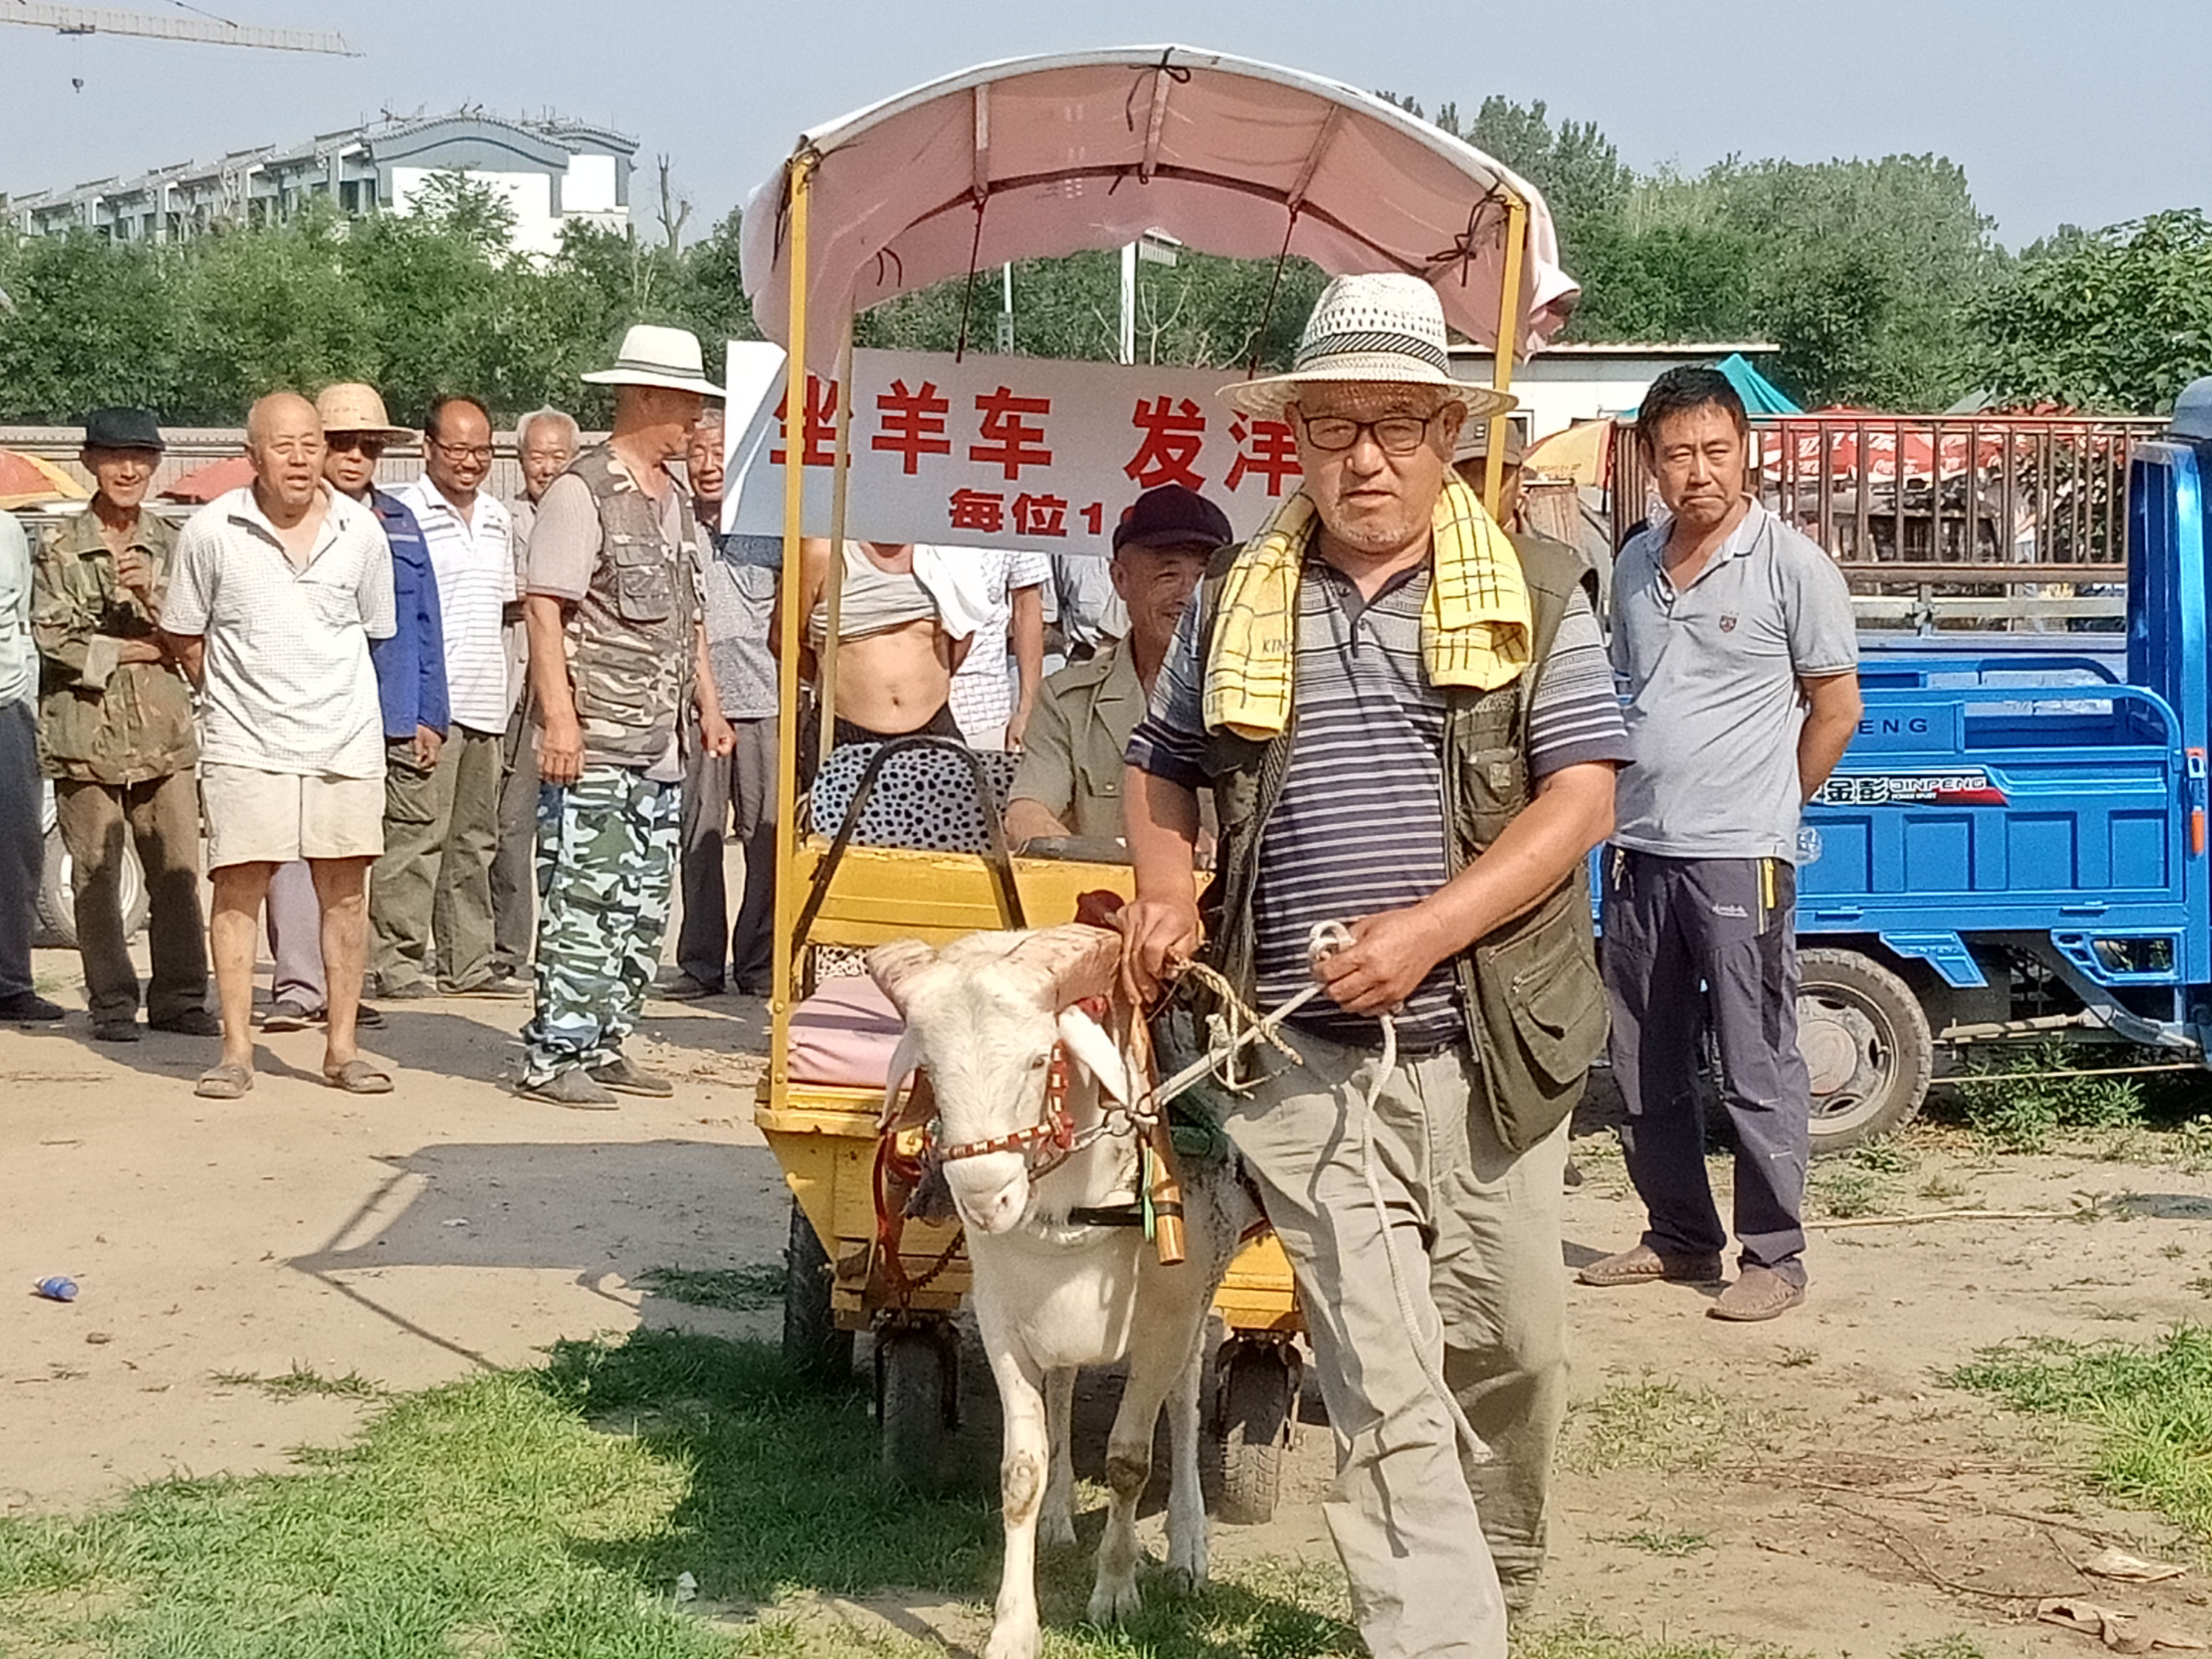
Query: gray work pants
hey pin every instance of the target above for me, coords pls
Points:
(296, 937)
(1689, 941)
(22, 843)
(1429, 1538)
(429, 903)
(159, 817)
(719, 792)
(513, 862)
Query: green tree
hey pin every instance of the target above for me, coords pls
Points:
(93, 322)
(267, 307)
(2121, 319)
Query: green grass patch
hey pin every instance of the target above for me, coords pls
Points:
(737, 1290)
(1656, 1424)
(300, 1383)
(2150, 1408)
(1585, 1638)
(1676, 1544)
(1956, 1645)
(1865, 1181)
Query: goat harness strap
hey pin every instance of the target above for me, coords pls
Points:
(1055, 1128)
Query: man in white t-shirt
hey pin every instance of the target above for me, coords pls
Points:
(430, 903)
(277, 591)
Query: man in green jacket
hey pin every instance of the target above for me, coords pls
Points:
(116, 736)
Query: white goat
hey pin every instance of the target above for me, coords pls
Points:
(984, 1016)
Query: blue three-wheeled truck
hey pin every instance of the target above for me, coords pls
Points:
(2016, 844)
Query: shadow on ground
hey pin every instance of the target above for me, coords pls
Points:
(606, 1212)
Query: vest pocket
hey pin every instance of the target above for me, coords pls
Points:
(1541, 1015)
(643, 592)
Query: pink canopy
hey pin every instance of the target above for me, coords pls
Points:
(1051, 155)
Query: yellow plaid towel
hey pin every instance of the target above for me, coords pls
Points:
(1475, 625)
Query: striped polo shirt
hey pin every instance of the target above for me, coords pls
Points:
(1359, 826)
(474, 558)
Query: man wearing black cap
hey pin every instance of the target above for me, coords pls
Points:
(117, 736)
(1069, 782)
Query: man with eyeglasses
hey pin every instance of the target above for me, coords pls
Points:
(431, 903)
(1408, 726)
(411, 685)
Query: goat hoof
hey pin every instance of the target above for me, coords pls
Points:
(1188, 1563)
(1114, 1604)
(1055, 1530)
(1011, 1642)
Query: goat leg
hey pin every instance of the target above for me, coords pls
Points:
(1056, 1525)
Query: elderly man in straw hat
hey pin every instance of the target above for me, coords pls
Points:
(1410, 733)
(615, 645)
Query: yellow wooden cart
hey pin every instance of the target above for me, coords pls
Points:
(1026, 159)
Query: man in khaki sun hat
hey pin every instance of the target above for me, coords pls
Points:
(1416, 711)
(616, 648)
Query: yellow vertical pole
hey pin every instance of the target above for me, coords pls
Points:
(1508, 339)
(788, 829)
(833, 587)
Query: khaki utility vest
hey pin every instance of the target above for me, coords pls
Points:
(1534, 1005)
(631, 637)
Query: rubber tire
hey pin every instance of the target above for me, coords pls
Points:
(56, 929)
(912, 1406)
(1900, 1027)
(812, 1344)
(1256, 1420)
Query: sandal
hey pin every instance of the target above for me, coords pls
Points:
(228, 1081)
(358, 1077)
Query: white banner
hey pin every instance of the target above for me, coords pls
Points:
(999, 450)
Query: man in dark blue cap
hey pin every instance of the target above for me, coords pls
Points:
(117, 736)
(1069, 782)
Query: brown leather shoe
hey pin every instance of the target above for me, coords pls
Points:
(1643, 1265)
(1757, 1293)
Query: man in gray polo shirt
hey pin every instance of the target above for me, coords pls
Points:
(1734, 642)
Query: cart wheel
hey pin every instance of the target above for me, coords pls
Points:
(812, 1344)
(1256, 1402)
(917, 1390)
(1866, 1044)
(57, 900)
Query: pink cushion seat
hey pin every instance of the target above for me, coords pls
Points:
(843, 1035)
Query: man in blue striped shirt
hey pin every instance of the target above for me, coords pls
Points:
(1417, 1191)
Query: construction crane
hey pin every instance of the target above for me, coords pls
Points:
(206, 29)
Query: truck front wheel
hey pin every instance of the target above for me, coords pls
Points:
(1867, 1048)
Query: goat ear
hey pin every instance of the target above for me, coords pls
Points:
(919, 1099)
(1082, 960)
(893, 966)
(1087, 1041)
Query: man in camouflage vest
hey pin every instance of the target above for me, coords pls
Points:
(614, 648)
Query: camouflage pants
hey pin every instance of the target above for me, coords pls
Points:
(606, 859)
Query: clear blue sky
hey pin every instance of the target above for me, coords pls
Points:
(2060, 110)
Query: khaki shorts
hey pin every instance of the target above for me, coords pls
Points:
(273, 817)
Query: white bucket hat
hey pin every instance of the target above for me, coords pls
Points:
(1385, 326)
(653, 356)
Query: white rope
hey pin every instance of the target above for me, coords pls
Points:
(1325, 937)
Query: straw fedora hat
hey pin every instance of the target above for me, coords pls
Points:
(653, 356)
(349, 406)
(1384, 326)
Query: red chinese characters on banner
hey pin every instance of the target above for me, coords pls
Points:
(819, 448)
(1265, 449)
(913, 423)
(1009, 440)
(1174, 434)
(981, 510)
(1040, 515)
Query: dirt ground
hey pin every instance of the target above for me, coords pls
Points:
(1809, 1484)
